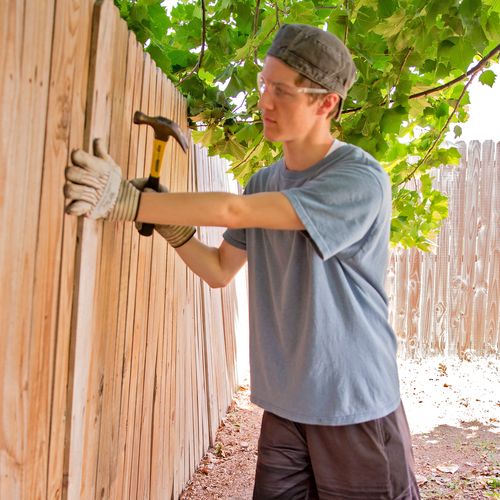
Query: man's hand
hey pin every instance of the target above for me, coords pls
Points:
(94, 187)
(175, 235)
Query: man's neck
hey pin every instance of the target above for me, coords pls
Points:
(300, 156)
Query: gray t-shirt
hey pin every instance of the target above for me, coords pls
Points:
(321, 348)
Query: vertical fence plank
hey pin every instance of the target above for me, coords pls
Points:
(157, 275)
(400, 304)
(457, 285)
(142, 294)
(89, 342)
(121, 371)
(202, 367)
(426, 303)
(109, 277)
(390, 285)
(202, 184)
(160, 271)
(469, 242)
(26, 37)
(413, 306)
(485, 247)
(492, 319)
(65, 130)
(171, 379)
(121, 485)
(441, 272)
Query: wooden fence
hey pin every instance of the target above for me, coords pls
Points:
(116, 363)
(448, 302)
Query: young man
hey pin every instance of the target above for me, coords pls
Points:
(315, 230)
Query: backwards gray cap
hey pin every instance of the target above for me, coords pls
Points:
(317, 55)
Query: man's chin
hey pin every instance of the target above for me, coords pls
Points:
(272, 135)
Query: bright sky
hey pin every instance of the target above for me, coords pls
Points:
(484, 111)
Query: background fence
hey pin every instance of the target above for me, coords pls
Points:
(447, 302)
(116, 363)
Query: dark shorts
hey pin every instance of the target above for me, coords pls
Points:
(371, 460)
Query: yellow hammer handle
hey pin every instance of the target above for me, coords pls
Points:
(156, 162)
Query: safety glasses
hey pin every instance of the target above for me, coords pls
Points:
(282, 90)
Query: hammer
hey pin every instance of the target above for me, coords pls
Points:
(164, 128)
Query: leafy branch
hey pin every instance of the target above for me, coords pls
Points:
(446, 85)
(471, 72)
(249, 154)
(203, 44)
(402, 66)
(254, 29)
(256, 18)
(346, 30)
(441, 132)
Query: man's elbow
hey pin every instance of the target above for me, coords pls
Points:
(219, 279)
(234, 213)
(218, 282)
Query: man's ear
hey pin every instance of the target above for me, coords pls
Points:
(328, 104)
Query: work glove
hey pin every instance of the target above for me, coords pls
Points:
(175, 235)
(94, 187)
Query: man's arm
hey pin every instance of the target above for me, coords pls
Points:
(261, 210)
(95, 188)
(216, 266)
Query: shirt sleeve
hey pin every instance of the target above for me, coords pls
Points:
(236, 237)
(338, 208)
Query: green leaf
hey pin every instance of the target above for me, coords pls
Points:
(488, 77)
(442, 109)
(392, 25)
(392, 119)
(387, 7)
(492, 25)
(206, 76)
(208, 136)
(469, 8)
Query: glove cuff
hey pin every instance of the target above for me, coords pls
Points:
(176, 235)
(127, 202)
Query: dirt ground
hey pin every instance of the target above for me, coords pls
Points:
(453, 408)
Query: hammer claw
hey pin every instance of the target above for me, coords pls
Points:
(163, 128)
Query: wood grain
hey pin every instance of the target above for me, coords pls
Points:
(26, 39)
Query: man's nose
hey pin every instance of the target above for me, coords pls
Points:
(265, 100)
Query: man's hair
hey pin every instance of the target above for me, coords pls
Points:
(300, 80)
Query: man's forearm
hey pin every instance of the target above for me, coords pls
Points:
(193, 209)
(215, 266)
(269, 210)
(203, 261)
